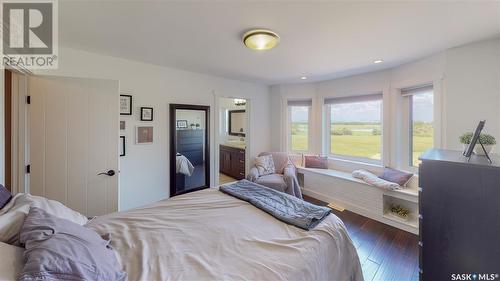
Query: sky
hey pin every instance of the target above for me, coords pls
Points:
(369, 111)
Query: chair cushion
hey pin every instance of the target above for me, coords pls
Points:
(265, 165)
(274, 181)
(280, 159)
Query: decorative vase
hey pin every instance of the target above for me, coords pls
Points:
(478, 150)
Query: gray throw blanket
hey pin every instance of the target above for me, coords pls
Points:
(282, 206)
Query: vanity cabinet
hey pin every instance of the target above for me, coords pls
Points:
(232, 161)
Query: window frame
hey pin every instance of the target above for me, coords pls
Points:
(327, 131)
(289, 126)
(406, 145)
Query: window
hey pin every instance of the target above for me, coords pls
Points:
(421, 118)
(355, 129)
(299, 113)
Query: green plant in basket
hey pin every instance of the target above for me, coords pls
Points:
(485, 139)
(400, 211)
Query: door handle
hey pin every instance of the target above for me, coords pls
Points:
(109, 173)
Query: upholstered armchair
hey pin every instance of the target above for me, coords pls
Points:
(285, 177)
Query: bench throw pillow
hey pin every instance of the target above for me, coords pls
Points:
(396, 176)
(265, 165)
(315, 161)
(58, 249)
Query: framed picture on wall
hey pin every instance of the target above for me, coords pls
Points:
(122, 146)
(122, 125)
(144, 135)
(146, 114)
(125, 105)
(182, 124)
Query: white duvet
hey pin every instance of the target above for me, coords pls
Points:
(208, 235)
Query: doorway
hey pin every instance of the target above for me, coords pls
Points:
(70, 131)
(8, 129)
(232, 139)
(189, 148)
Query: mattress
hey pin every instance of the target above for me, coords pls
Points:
(208, 235)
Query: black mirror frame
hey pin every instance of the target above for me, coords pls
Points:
(173, 147)
(230, 117)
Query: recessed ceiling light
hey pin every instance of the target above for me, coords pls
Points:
(303, 77)
(378, 61)
(261, 39)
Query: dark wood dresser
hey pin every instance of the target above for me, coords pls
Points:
(190, 144)
(232, 161)
(459, 206)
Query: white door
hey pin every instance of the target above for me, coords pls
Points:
(73, 136)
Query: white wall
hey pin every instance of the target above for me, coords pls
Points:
(144, 176)
(192, 117)
(472, 90)
(468, 82)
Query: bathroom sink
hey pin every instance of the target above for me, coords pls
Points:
(237, 144)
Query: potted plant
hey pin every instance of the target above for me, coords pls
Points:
(487, 140)
(192, 126)
(198, 126)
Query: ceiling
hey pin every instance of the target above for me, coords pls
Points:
(320, 40)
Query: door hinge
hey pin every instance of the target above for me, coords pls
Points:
(28, 99)
(28, 169)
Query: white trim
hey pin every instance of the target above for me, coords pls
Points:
(401, 126)
(380, 96)
(289, 128)
(20, 132)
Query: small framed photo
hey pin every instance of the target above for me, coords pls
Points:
(122, 125)
(122, 146)
(144, 135)
(146, 114)
(182, 124)
(125, 105)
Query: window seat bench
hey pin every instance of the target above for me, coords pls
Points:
(344, 190)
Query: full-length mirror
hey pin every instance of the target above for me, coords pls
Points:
(189, 148)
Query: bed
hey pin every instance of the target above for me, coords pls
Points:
(208, 235)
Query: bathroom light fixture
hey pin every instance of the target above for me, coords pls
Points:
(240, 102)
(303, 78)
(260, 39)
(378, 61)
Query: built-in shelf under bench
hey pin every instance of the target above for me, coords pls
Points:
(345, 191)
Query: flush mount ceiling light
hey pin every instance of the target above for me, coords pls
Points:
(303, 78)
(261, 39)
(378, 61)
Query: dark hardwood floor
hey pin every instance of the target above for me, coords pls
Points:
(386, 253)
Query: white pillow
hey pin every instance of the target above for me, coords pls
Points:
(374, 180)
(12, 261)
(265, 165)
(13, 214)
